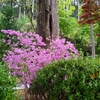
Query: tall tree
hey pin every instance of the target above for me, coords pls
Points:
(90, 15)
(47, 19)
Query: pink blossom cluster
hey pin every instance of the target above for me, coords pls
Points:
(28, 53)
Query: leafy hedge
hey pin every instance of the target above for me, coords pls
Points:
(73, 79)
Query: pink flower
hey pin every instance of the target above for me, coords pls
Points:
(3, 40)
(27, 55)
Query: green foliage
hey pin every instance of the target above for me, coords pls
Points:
(22, 22)
(82, 39)
(73, 79)
(7, 20)
(24, 25)
(68, 25)
(97, 31)
(78, 34)
(65, 8)
(3, 46)
(7, 82)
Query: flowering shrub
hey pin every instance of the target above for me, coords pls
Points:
(28, 54)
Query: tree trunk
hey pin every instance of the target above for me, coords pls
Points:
(19, 16)
(92, 41)
(47, 19)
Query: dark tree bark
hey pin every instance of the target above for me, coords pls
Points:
(47, 19)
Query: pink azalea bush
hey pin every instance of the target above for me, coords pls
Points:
(28, 53)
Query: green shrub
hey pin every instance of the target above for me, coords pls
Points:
(7, 82)
(68, 25)
(7, 21)
(73, 79)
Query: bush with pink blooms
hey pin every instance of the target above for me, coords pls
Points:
(28, 53)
